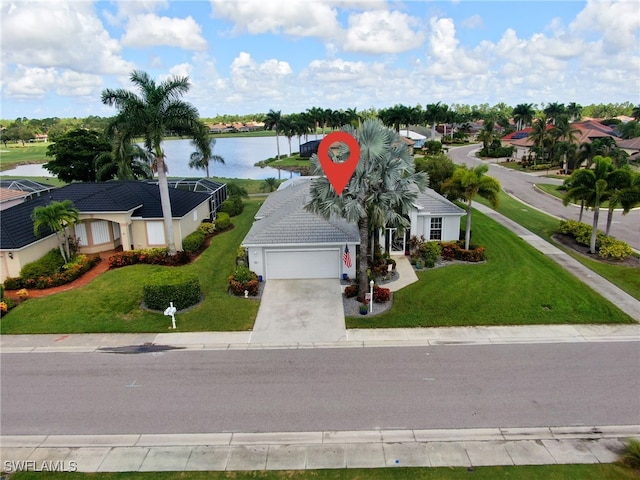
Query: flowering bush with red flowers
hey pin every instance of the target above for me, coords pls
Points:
(151, 256)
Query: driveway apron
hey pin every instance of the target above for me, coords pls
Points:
(300, 311)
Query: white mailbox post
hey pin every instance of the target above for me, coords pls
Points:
(171, 311)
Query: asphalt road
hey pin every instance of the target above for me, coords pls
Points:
(451, 386)
(521, 186)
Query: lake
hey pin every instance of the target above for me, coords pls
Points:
(239, 153)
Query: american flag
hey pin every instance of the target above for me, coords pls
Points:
(346, 257)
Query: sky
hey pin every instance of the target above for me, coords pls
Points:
(250, 56)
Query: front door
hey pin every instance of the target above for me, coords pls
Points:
(395, 241)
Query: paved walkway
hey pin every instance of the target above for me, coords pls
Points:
(315, 450)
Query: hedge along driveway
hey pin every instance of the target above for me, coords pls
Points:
(111, 303)
(517, 285)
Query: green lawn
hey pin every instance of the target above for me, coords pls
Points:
(518, 285)
(15, 154)
(111, 303)
(541, 472)
(545, 226)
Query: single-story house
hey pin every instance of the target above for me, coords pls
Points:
(288, 242)
(115, 214)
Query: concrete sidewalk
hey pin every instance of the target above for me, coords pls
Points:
(316, 450)
(355, 338)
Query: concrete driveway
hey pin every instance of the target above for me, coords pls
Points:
(300, 311)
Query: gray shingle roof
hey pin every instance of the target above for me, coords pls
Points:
(282, 220)
(434, 203)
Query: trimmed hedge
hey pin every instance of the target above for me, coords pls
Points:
(70, 272)
(207, 228)
(151, 256)
(171, 286)
(223, 221)
(51, 263)
(454, 251)
(193, 242)
(232, 205)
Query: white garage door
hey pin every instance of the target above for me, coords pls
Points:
(285, 264)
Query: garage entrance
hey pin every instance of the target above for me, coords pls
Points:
(293, 264)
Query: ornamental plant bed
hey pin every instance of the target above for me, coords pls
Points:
(570, 242)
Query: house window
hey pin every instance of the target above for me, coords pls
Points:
(100, 232)
(435, 232)
(81, 234)
(155, 233)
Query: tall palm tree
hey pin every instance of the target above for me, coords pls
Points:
(553, 111)
(432, 115)
(465, 184)
(380, 192)
(157, 110)
(523, 114)
(57, 217)
(288, 129)
(203, 154)
(316, 114)
(488, 134)
(540, 135)
(574, 111)
(591, 185)
(272, 122)
(618, 183)
(564, 132)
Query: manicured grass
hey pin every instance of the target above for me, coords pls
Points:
(518, 285)
(545, 226)
(251, 186)
(555, 190)
(15, 154)
(111, 303)
(540, 472)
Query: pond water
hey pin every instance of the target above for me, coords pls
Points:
(239, 153)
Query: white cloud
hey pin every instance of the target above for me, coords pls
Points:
(446, 59)
(63, 35)
(297, 18)
(616, 21)
(250, 80)
(74, 84)
(381, 31)
(472, 22)
(29, 82)
(150, 30)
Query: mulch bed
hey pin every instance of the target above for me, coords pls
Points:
(569, 242)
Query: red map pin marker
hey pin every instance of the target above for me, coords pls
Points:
(339, 174)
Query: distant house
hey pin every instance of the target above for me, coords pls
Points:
(13, 192)
(309, 148)
(288, 242)
(113, 215)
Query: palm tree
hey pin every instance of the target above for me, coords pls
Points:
(465, 184)
(574, 111)
(203, 155)
(157, 110)
(269, 184)
(488, 134)
(57, 217)
(540, 135)
(563, 132)
(553, 111)
(316, 114)
(380, 192)
(636, 113)
(618, 183)
(288, 129)
(432, 114)
(591, 185)
(272, 122)
(523, 114)
(126, 161)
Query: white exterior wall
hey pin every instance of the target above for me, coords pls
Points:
(450, 227)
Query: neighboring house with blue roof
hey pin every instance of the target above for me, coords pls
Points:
(288, 242)
(113, 215)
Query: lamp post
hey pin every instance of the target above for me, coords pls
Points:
(371, 297)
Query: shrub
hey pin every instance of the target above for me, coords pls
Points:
(431, 251)
(171, 286)
(13, 283)
(232, 205)
(631, 454)
(151, 256)
(71, 271)
(244, 279)
(614, 249)
(23, 294)
(241, 257)
(207, 228)
(6, 305)
(351, 291)
(381, 294)
(51, 263)
(223, 222)
(454, 251)
(363, 309)
(193, 242)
